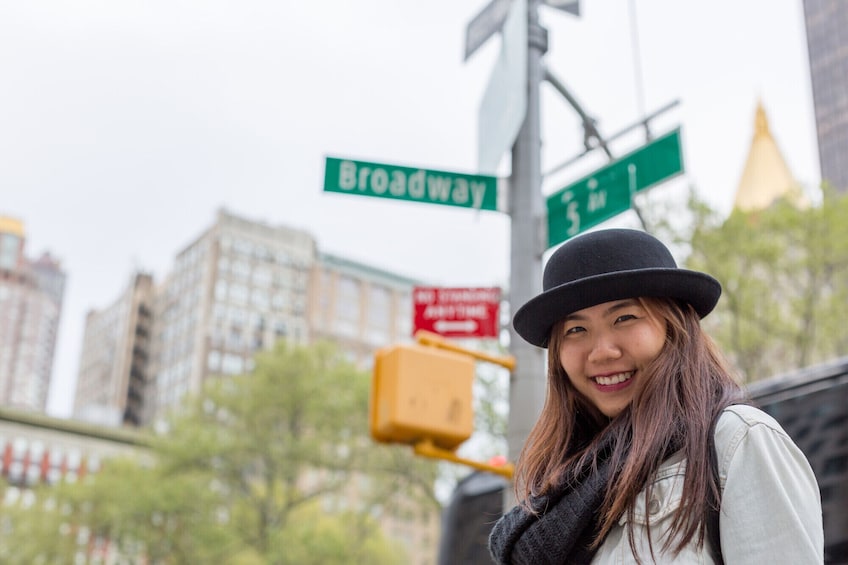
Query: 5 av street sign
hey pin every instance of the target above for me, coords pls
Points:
(407, 183)
(608, 191)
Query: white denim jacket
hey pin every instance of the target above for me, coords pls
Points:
(770, 505)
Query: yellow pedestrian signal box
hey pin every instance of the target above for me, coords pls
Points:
(422, 394)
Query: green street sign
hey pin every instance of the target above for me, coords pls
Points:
(608, 191)
(407, 183)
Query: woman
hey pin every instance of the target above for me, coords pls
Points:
(644, 451)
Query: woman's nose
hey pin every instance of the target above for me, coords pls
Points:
(604, 348)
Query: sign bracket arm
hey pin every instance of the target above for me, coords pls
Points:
(640, 123)
(435, 340)
(590, 130)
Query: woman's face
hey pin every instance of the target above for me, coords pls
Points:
(605, 348)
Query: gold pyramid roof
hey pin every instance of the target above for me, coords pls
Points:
(766, 176)
(11, 225)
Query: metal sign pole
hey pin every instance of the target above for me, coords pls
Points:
(528, 238)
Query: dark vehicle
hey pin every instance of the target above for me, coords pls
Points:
(811, 404)
(475, 506)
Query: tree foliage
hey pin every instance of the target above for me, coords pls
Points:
(270, 467)
(784, 274)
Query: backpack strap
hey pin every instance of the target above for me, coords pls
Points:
(714, 500)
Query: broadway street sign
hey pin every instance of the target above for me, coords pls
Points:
(407, 183)
(608, 191)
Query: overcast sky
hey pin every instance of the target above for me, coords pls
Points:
(125, 125)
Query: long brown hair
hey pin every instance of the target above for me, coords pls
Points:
(674, 409)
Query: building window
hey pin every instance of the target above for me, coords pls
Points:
(259, 299)
(9, 248)
(378, 315)
(404, 315)
(221, 290)
(241, 270)
(239, 294)
(348, 302)
(280, 329)
(213, 362)
(278, 302)
(232, 364)
(262, 277)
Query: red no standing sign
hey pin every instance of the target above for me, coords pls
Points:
(456, 312)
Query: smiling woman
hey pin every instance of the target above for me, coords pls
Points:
(645, 449)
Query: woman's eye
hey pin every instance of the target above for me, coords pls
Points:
(625, 317)
(574, 330)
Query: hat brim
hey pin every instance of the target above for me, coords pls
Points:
(534, 320)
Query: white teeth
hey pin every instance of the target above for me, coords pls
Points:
(614, 379)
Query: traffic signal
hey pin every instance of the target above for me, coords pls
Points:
(422, 394)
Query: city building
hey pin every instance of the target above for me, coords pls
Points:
(827, 47)
(238, 288)
(358, 306)
(31, 293)
(39, 449)
(113, 376)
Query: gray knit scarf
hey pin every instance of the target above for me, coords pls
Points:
(561, 527)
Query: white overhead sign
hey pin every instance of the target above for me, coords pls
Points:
(570, 6)
(504, 103)
(489, 21)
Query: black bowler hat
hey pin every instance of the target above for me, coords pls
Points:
(607, 265)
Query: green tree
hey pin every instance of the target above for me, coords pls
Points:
(784, 273)
(317, 538)
(259, 468)
(30, 524)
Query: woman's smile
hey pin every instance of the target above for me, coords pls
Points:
(611, 382)
(605, 349)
